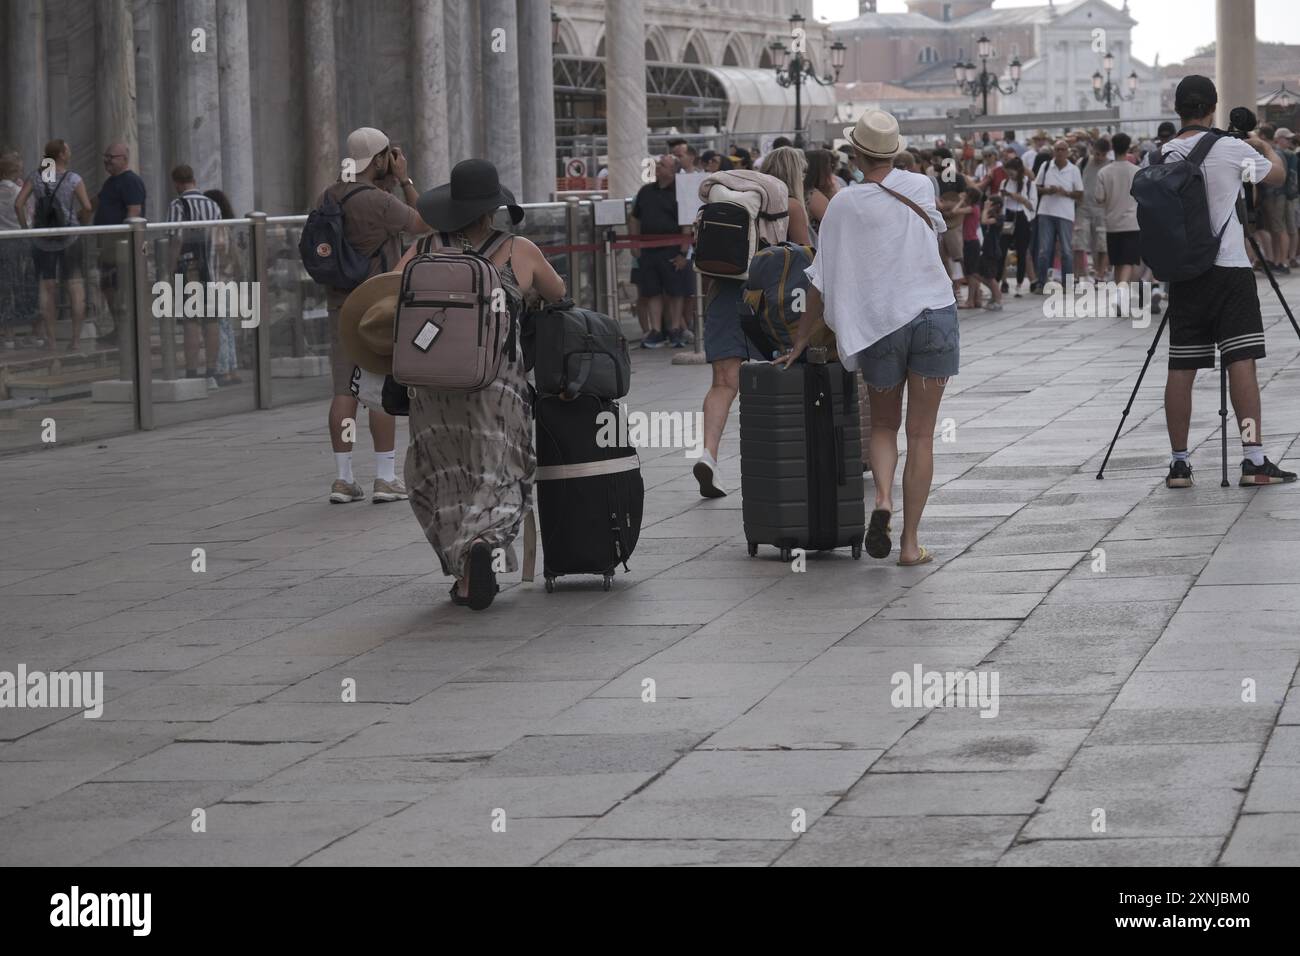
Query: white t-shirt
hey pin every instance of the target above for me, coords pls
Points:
(1026, 188)
(1069, 179)
(1224, 167)
(877, 264)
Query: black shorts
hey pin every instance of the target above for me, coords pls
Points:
(970, 257)
(1124, 248)
(57, 263)
(658, 276)
(1220, 307)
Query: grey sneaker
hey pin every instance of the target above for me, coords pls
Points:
(341, 492)
(389, 490)
(653, 340)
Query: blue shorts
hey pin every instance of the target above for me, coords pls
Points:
(929, 345)
(656, 274)
(724, 337)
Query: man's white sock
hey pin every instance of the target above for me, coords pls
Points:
(1253, 453)
(384, 465)
(343, 463)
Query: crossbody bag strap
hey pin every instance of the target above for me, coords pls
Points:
(903, 199)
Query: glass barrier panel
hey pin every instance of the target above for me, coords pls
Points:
(201, 307)
(66, 339)
(300, 330)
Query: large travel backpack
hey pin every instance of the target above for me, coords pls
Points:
(453, 328)
(1177, 239)
(574, 351)
(48, 213)
(770, 318)
(742, 212)
(325, 251)
(590, 493)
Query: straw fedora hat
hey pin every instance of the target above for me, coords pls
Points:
(876, 135)
(366, 322)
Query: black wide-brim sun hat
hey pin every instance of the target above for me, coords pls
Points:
(475, 189)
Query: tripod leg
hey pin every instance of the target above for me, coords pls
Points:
(1101, 472)
(1273, 282)
(1223, 417)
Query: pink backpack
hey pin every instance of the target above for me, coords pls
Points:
(453, 326)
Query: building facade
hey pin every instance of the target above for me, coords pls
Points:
(1059, 45)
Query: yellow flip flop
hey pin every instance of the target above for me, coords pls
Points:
(925, 557)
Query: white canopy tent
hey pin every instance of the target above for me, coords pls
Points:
(756, 102)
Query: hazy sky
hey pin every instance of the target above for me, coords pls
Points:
(1172, 28)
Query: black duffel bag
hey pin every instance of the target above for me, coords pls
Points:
(576, 351)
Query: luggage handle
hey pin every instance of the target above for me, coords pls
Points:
(840, 477)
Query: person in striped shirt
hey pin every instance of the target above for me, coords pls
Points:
(194, 259)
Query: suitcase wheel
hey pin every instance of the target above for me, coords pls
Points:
(753, 548)
(550, 583)
(786, 554)
(608, 580)
(857, 550)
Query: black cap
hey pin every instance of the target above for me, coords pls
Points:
(1195, 91)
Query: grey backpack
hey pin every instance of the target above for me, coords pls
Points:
(453, 326)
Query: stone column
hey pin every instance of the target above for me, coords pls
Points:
(322, 126)
(625, 105)
(198, 130)
(26, 91)
(115, 111)
(428, 166)
(458, 17)
(1234, 57)
(499, 55)
(536, 100)
(153, 90)
(236, 104)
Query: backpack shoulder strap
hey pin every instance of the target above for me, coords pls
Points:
(903, 199)
(361, 188)
(1199, 151)
(493, 242)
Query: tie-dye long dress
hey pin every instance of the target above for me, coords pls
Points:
(470, 463)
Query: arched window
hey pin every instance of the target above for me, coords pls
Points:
(731, 57)
(651, 54)
(928, 54)
(691, 54)
(765, 60)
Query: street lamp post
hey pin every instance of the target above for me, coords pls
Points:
(1105, 90)
(800, 70)
(980, 84)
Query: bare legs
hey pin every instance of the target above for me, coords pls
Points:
(923, 397)
(717, 401)
(1243, 387)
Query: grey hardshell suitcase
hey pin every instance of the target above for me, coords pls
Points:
(800, 458)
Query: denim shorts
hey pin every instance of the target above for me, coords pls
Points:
(929, 345)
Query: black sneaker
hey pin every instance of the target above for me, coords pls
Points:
(1180, 475)
(1265, 474)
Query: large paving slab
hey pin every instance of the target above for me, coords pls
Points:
(314, 694)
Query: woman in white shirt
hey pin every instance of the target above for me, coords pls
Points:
(1020, 196)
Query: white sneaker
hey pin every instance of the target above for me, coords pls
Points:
(705, 472)
(389, 490)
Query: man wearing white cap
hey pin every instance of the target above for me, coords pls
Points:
(373, 221)
(1284, 143)
(879, 284)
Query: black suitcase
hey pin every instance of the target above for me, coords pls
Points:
(800, 458)
(589, 497)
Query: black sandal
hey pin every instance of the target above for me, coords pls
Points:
(878, 543)
(482, 579)
(456, 598)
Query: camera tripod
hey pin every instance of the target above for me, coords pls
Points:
(1223, 371)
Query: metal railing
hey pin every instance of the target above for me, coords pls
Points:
(103, 391)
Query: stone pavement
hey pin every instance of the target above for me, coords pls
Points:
(1158, 690)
